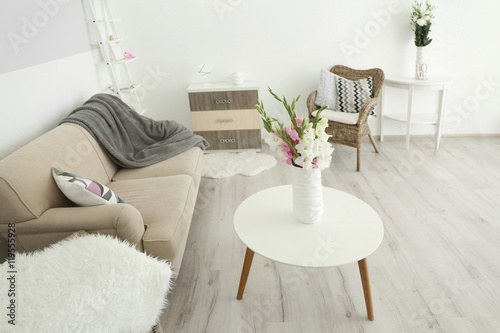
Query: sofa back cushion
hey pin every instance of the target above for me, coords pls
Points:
(27, 188)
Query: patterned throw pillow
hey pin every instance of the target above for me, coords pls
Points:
(353, 94)
(327, 90)
(83, 191)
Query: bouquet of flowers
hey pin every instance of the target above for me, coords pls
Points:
(422, 18)
(303, 144)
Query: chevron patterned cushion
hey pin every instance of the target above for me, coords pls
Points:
(353, 94)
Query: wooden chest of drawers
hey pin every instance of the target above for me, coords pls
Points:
(225, 115)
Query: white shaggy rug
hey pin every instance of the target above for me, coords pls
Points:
(220, 164)
(92, 283)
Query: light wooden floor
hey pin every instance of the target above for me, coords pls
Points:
(437, 270)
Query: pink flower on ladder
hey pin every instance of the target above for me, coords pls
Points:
(129, 55)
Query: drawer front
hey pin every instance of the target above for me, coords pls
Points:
(225, 120)
(223, 100)
(244, 139)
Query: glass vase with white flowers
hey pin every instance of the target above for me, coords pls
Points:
(301, 143)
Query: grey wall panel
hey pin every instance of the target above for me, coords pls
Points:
(37, 31)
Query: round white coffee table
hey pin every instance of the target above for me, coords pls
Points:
(350, 231)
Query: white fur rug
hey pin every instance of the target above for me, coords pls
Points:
(91, 283)
(220, 164)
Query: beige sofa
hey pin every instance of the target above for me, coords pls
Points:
(160, 199)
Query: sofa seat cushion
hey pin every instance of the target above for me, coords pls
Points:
(166, 205)
(186, 163)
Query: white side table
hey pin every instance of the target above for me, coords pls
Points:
(350, 231)
(411, 84)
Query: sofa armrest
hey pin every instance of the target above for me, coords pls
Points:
(122, 220)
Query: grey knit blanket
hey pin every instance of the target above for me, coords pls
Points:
(132, 140)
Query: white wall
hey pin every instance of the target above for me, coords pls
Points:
(47, 67)
(33, 100)
(281, 43)
(284, 43)
(38, 31)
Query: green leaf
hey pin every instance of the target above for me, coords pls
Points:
(286, 104)
(274, 95)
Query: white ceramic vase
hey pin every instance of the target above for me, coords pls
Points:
(307, 195)
(237, 78)
(420, 64)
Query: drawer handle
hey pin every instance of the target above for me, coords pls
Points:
(227, 140)
(225, 120)
(223, 101)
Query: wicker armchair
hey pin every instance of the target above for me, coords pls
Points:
(351, 134)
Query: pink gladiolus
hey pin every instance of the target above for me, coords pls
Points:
(299, 121)
(288, 151)
(294, 136)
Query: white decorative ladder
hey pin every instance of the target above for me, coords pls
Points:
(104, 34)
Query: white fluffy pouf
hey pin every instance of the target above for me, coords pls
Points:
(221, 164)
(91, 283)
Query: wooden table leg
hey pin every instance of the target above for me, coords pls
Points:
(244, 273)
(367, 290)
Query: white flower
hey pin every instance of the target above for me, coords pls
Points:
(421, 22)
(274, 142)
(308, 136)
(324, 156)
(307, 153)
(305, 162)
(321, 125)
(322, 136)
(323, 163)
(427, 18)
(323, 122)
(305, 149)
